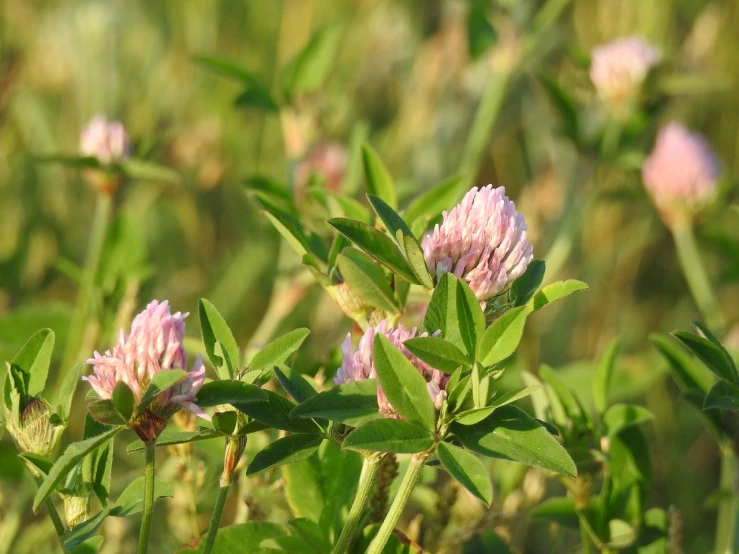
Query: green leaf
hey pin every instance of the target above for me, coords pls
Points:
(501, 339)
(724, 395)
(555, 291)
(292, 230)
(471, 417)
(225, 422)
(350, 403)
(389, 217)
(376, 244)
(289, 449)
(257, 96)
(416, 259)
(602, 377)
(467, 469)
(159, 383)
(275, 412)
(279, 350)
(431, 203)
(620, 416)
(481, 34)
(379, 182)
(295, 384)
(123, 400)
(145, 170)
(438, 353)
(686, 371)
(130, 502)
(67, 461)
(403, 385)
(510, 434)
(559, 393)
(34, 359)
(170, 438)
(216, 393)
(311, 67)
(525, 286)
(389, 435)
(67, 390)
(225, 67)
(215, 331)
(367, 280)
(456, 312)
(557, 510)
(713, 357)
(104, 411)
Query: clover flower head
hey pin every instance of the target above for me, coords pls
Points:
(155, 344)
(618, 68)
(105, 140)
(358, 364)
(681, 171)
(481, 240)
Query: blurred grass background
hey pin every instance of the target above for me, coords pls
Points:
(408, 76)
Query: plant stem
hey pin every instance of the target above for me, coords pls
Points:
(728, 511)
(364, 492)
(412, 474)
(148, 498)
(54, 516)
(695, 274)
(215, 521)
(584, 538)
(78, 324)
(487, 113)
(56, 520)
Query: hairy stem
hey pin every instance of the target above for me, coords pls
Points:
(148, 498)
(215, 521)
(727, 534)
(364, 491)
(695, 274)
(412, 474)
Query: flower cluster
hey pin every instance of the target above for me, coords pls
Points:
(681, 172)
(358, 364)
(481, 240)
(154, 345)
(105, 140)
(619, 68)
(34, 431)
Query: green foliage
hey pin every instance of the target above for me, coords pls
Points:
(467, 469)
(218, 340)
(389, 435)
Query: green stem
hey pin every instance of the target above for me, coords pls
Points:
(482, 126)
(56, 520)
(54, 516)
(695, 274)
(364, 492)
(728, 511)
(585, 539)
(86, 292)
(412, 474)
(215, 521)
(148, 498)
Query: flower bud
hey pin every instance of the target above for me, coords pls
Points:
(681, 173)
(234, 450)
(34, 432)
(76, 508)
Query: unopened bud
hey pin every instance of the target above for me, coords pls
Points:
(234, 449)
(35, 433)
(76, 508)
